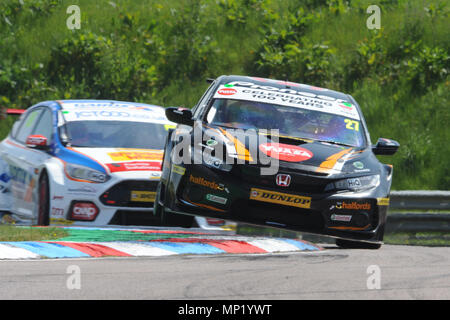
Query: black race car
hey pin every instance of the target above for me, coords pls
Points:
(280, 154)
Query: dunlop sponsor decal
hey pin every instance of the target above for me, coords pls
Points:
(383, 201)
(280, 198)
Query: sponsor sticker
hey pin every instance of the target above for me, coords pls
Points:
(383, 201)
(136, 155)
(358, 165)
(352, 205)
(341, 217)
(227, 91)
(291, 97)
(203, 182)
(286, 152)
(217, 199)
(143, 196)
(280, 198)
(135, 166)
(178, 170)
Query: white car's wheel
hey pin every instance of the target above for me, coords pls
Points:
(43, 201)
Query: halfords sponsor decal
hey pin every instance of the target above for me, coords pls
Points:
(280, 198)
(135, 166)
(136, 155)
(353, 205)
(286, 152)
(203, 182)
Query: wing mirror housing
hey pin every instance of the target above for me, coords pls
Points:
(180, 115)
(385, 147)
(37, 142)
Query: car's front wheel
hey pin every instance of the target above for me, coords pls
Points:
(43, 201)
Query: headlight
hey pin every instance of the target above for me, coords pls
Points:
(355, 184)
(85, 173)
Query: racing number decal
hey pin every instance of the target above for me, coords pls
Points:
(352, 124)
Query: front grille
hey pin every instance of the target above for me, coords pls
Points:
(300, 183)
(120, 194)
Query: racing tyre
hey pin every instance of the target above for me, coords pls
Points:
(43, 201)
(348, 244)
(157, 208)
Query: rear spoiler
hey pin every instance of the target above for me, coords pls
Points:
(4, 112)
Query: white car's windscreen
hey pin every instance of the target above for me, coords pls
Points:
(115, 134)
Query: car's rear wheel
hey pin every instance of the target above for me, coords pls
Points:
(349, 244)
(43, 201)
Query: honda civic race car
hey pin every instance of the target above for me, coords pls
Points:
(84, 162)
(278, 154)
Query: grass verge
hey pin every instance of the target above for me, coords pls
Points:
(21, 233)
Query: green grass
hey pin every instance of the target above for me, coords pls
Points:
(161, 52)
(19, 233)
(432, 239)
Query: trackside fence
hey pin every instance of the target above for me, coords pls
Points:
(419, 211)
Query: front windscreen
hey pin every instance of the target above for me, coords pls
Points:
(290, 121)
(114, 134)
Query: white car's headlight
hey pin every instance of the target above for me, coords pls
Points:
(84, 173)
(355, 184)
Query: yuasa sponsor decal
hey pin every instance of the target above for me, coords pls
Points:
(227, 91)
(286, 152)
(280, 198)
(352, 205)
(135, 166)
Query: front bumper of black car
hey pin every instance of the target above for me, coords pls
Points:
(208, 192)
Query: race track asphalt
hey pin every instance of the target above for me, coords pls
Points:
(393, 272)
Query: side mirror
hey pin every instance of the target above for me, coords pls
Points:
(37, 142)
(180, 115)
(385, 147)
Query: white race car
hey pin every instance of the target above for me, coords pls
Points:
(86, 162)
